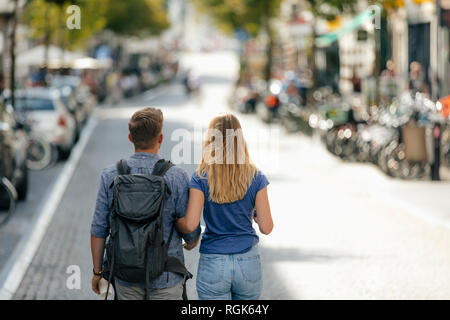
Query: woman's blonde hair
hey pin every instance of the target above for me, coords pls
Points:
(226, 162)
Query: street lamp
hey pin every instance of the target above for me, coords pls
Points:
(8, 14)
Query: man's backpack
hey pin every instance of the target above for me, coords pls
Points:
(136, 251)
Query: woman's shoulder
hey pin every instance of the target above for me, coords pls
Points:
(260, 180)
(258, 174)
(199, 175)
(198, 180)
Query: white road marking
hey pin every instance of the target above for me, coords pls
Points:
(27, 249)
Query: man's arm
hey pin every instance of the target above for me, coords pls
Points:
(99, 232)
(97, 248)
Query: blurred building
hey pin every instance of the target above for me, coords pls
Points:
(296, 33)
(357, 51)
(420, 32)
(340, 52)
(443, 47)
(350, 52)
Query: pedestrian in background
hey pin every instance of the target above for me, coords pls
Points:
(417, 79)
(228, 189)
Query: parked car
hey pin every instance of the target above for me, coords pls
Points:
(78, 113)
(49, 117)
(75, 95)
(13, 152)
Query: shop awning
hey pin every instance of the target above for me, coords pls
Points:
(355, 23)
(36, 56)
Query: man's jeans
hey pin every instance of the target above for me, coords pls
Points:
(137, 292)
(230, 276)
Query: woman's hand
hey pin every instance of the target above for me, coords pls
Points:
(191, 245)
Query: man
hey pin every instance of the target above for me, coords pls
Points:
(145, 133)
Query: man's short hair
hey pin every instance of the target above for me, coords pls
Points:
(145, 127)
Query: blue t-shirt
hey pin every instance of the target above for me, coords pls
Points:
(229, 226)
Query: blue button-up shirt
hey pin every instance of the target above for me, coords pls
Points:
(175, 207)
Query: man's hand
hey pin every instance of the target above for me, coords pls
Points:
(97, 249)
(191, 245)
(96, 283)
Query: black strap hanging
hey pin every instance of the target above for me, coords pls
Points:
(161, 167)
(122, 167)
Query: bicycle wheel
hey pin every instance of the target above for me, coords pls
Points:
(8, 197)
(39, 154)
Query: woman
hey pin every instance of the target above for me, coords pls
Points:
(229, 189)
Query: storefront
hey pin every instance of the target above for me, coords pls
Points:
(420, 40)
(349, 51)
(444, 48)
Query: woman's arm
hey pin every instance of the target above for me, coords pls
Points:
(264, 217)
(190, 221)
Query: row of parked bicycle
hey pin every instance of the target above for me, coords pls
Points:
(42, 127)
(409, 139)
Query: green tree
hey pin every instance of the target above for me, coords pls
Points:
(136, 17)
(47, 20)
(253, 16)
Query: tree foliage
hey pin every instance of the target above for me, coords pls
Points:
(47, 19)
(231, 15)
(136, 17)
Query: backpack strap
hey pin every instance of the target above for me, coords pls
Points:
(175, 265)
(122, 167)
(161, 167)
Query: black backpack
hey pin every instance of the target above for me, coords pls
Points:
(135, 250)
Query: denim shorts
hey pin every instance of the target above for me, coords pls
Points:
(230, 276)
